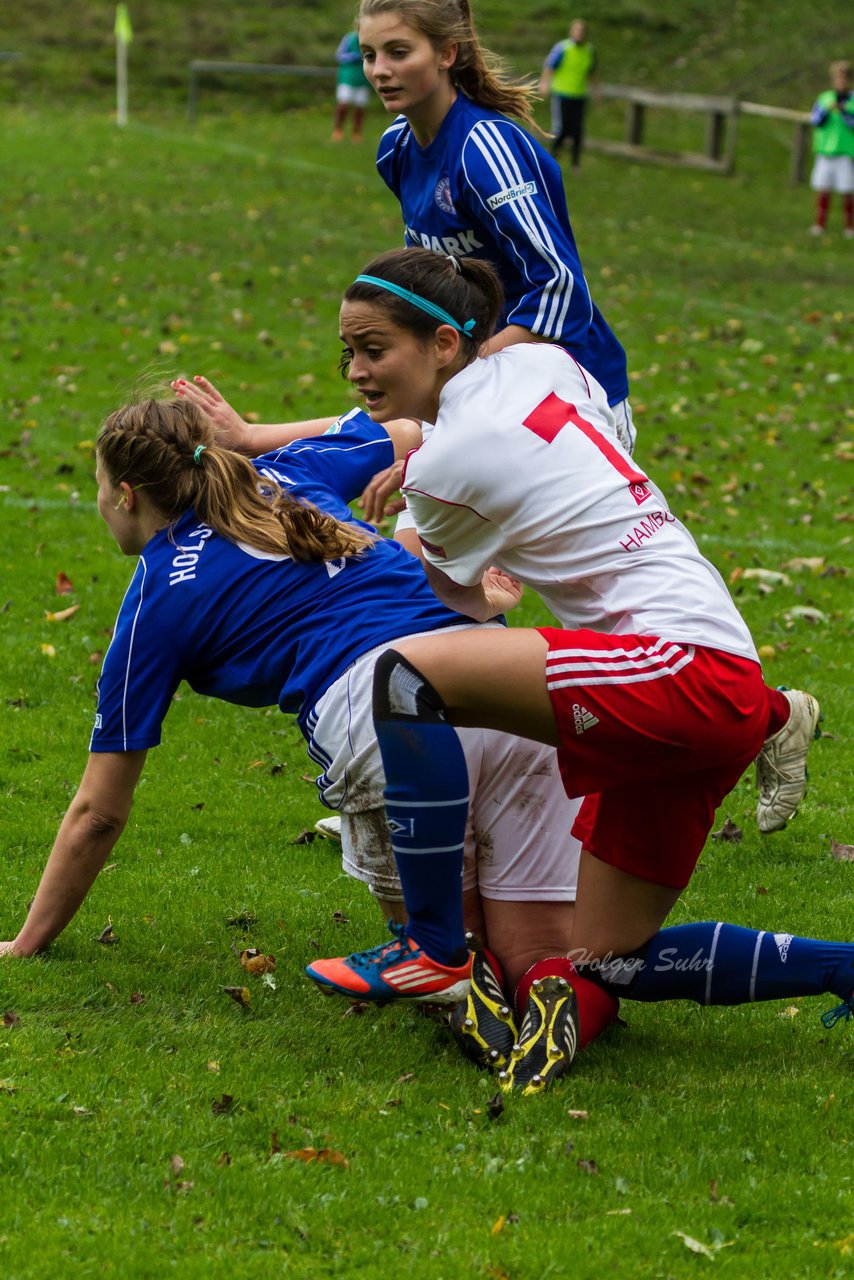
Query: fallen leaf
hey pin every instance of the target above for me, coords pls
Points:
(11, 1019)
(176, 1166)
(577, 1115)
(696, 1246)
(498, 1226)
(48, 650)
(222, 1106)
(406, 1077)
(64, 585)
(355, 1009)
(588, 1166)
(495, 1106)
(241, 995)
(223, 1160)
(814, 564)
(791, 1011)
(771, 577)
(842, 852)
(63, 615)
(323, 1155)
(305, 837)
(339, 917)
(729, 833)
(806, 613)
(254, 961)
(106, 936)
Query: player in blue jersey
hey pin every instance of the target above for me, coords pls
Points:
(473, 183)
(281, 597)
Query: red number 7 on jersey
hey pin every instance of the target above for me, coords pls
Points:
(553, 414)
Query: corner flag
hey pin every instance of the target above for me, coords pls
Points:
(123, 28)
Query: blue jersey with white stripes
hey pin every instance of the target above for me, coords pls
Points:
(485, 188)
(255, 628)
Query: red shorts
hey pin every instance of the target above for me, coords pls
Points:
(655, 734)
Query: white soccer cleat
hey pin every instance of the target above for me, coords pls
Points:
(781, 766)
(329, 828)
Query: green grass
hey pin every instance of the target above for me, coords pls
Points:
(224, 250)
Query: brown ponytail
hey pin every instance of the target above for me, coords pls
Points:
(482, 76)
(169, 448)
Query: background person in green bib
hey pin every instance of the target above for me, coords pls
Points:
(351, 89)
(832, 120)
(568, 74)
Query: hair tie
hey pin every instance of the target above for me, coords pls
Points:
(197, 454)
(432, 309)
(455, 264)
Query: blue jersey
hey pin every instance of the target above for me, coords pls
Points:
(255, 628)
(485, 188)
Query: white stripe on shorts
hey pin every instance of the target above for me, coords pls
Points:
(568, 668)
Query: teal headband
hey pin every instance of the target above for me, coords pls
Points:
(438, 313)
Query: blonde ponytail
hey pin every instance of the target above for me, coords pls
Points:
(168, 447)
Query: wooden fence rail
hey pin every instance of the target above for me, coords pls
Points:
(721, 118)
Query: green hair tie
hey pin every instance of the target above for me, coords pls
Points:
(197, 453)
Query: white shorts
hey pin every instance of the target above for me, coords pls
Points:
(352, 95)
(518, 842)
(833, 173)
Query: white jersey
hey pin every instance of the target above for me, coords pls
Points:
(523, 470)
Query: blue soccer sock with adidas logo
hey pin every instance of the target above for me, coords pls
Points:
(717, 963)
(426, 800)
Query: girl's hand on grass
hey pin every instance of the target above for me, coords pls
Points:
(232, 431)
(374, 501)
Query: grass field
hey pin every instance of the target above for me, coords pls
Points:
(148, 1123)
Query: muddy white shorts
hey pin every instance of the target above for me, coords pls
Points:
(518, 842)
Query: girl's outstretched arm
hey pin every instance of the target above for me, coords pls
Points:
(234, 432)
(92, 824)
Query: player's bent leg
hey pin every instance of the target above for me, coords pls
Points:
(492, 678)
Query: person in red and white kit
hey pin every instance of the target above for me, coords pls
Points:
(650, 687)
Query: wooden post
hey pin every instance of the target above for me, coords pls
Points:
(715, 134)
(635, 120)
(800, 147)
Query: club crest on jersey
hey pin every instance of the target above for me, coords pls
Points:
(442, 195)
(639, 492)
(583, 718)
(512, 193)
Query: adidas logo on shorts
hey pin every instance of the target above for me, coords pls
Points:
(584, 719)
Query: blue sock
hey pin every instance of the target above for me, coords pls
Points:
(716, 963)
(427, 801)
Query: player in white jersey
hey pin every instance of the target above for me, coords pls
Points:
(650, 688)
